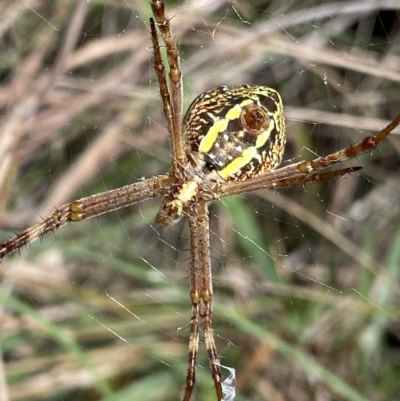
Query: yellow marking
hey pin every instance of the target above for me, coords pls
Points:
(235, 111)
(206, 296)
(209, 139)
(220, 126)
(76, 207)
(188, 191)
(194, 296)
(77, 216)
(177, 207)
(263, 138)
(238, 163)
(247, 155)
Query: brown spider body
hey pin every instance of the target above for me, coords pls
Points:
(230, 142)
(236, 133)
(232, 134)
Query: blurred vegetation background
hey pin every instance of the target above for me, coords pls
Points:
(306, 280)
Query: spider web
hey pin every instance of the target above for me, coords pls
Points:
(306, 286)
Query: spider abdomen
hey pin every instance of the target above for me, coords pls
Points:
(235, 133)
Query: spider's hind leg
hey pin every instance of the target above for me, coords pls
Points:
(201, 293)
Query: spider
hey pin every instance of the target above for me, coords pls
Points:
(230, 141)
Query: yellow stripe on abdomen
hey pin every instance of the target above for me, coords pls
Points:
(248, 154)
(238, 163)
(209, 139)
(220, 126)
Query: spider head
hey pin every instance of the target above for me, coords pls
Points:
(235, 133)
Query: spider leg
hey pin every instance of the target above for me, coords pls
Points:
(165, 96)
(300, 173)
(88, 207)
(367, 144)
(299, 179)
(201, 294)
(313, 178)
(176, 97)
(195, 297)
